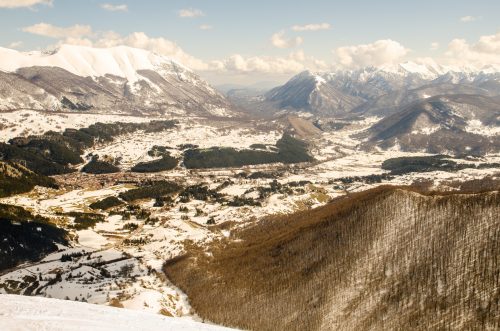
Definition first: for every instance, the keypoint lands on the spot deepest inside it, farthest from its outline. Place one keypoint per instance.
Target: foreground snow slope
(34, 313)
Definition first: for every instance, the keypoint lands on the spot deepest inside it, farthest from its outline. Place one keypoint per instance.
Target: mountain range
(419, 107)
(107, 80)
(457, 124)
(378, 91)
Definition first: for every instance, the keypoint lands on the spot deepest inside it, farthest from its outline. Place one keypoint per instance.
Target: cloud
(23, 3)
(83, 35)
(434, 46)
(190, 13)
(278, 40)
(15, 44)
(378, 53)
(293, 63)
(158, 45)
(232, 65)
(298, 55)
(261, 64)
(49, 30)
(485, 52)
(206, 27)
(111, 7)
(236, 63)
(468, 19)
(162, 46)
(311, 27)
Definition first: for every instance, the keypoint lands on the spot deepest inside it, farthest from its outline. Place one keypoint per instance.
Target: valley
(119, 260)
(352, 200)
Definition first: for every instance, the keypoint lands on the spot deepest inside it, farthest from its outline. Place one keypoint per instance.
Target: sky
(260, 42)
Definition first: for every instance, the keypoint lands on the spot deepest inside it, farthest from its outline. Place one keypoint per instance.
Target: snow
(133, 148)
(21, 313)
(319, 80)
(85, 61)
(427, 70)
(146, 288)
(91, 239)
(426, 130)
(46, 201)
(477, 127)
(29, 122)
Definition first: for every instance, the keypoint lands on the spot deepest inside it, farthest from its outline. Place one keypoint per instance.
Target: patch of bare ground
(303, 127)
(384, 259)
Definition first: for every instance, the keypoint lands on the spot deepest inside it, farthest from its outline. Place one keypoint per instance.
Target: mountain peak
(309, 75)
(122, 61)
(123, 79)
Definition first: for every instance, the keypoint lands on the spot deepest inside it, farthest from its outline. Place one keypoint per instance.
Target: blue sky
(232, 40)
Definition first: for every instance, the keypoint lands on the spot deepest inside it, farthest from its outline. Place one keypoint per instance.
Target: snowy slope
(310, 92)
(121, 61)
(341, 91)
(35, 313)
(107, 80)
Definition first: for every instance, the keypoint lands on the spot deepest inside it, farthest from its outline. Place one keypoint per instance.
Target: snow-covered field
(21, 313)
(30, 122)
(133, 148)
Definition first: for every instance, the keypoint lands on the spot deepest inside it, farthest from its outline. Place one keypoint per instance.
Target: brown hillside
(384, 259)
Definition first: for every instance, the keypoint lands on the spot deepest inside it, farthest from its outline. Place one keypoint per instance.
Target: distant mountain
(378, 90)
(107, 80)
(259, 86)
(312, 93)
(468, 124)
(392, 102)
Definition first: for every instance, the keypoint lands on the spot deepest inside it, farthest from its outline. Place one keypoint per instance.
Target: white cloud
(298, 55)
(236, 64)
(468, 19)
(190, 13)
(206, 27)
(84, 36)
(49, 30)
(278, 40)
(158, 45)
(377, 53)
(434, 46)
(486, 51)
(262, 64)
(293, 63)
(311, 27)
(23, 3)
(15, 44)
(111, 7)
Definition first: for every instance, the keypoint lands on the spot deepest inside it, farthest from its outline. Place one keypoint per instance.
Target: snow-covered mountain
(311, 92)
(33, 313)
(335, 93)
(455, 124)
(112, 80)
